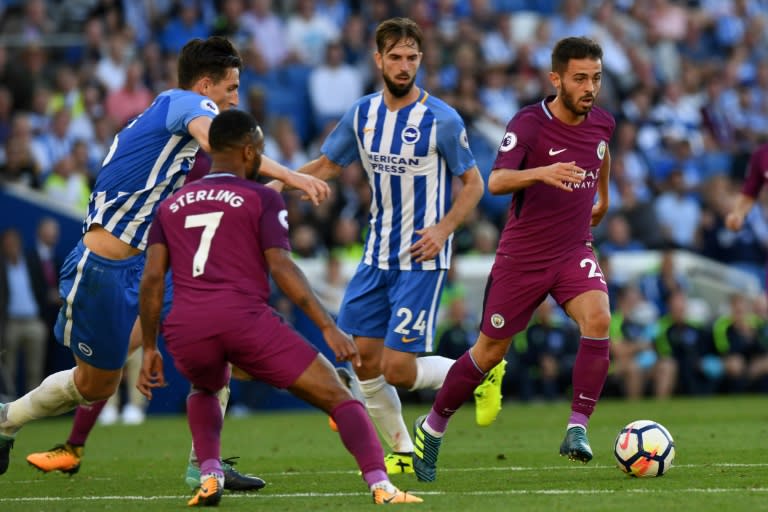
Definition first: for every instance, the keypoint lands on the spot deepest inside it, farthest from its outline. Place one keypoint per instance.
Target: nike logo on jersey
(553, 151)
(408, 340)
(366, 130)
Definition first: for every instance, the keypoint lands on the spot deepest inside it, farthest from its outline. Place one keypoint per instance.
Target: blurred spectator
(229, 22)
(267, 31)
(112, 67)
(619, 237)
(22, 296)
(659, 285)
(308, 32)
(43, 258)
(131, 99)
(636, 364)
(20, 166)
(284, 145)
(25, 73)
(51, 147)
(6, 111)
(330, 290)
(738, 340)
(33, 23)
(689, 344)
(455, 334)
(66, 93)
(68, 183)
(186, 25)
(678, 213)
(334, 86)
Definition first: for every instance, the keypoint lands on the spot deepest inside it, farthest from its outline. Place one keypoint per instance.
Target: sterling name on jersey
(544, 222)
(147, 161)
(410, 156)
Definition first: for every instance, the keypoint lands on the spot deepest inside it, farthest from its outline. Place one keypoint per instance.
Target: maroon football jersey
(545, 221)
(757, 174)
(216, 230)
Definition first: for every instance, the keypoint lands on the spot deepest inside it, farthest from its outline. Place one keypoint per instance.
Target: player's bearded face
(577, 100)
(398, 67)
(580, 84)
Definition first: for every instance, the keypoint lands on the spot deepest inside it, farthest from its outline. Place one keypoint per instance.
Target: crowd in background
(686, 80)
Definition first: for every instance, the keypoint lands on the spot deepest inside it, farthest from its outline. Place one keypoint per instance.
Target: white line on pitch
(507, 492)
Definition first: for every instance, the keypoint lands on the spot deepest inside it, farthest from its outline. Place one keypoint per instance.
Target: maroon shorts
(514, 291)
(260, 343)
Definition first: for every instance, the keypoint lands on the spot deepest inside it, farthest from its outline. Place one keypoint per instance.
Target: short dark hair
(211, 57)
(232, 129)
(574, 48)
(391, 31)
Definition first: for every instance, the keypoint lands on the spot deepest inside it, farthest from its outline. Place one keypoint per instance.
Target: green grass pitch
(721, 464)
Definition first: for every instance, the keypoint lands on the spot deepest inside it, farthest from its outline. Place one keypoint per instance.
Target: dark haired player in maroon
(222, 236)
(554, 158)
(757, 176)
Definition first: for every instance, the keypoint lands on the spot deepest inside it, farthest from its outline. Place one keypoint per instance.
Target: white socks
(56, 395)
(431, 372)
(386, 411)
(223, 396)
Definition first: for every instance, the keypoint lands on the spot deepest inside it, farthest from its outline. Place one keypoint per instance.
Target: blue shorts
(100, 306)
(399, 306)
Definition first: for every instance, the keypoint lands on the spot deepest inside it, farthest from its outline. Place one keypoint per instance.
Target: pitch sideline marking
(508, 492)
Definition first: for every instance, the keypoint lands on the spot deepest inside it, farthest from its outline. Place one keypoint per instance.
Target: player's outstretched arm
(559, 175)
(292, 281)
(433, 237)
(735, 218)
(320, 168)
(315, 188)
(151, 293)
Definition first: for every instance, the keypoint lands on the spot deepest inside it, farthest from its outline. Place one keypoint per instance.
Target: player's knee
(597, 324)
(95, 390)
(398, 376)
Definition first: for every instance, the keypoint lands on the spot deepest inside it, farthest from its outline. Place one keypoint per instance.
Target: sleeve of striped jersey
(185, 107)
(518, 141)
(156, 234)
(758, 166)
(453, 144)
(273, 222)
(340, 147)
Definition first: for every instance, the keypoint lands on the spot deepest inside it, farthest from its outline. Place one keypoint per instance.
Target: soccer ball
(644, 448)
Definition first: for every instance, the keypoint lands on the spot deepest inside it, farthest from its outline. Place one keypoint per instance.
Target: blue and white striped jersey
(410, 156)
(147, 161)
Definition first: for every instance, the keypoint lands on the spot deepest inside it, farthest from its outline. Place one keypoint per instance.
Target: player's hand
(342, 345)
(151, 374)
(430, 244)
(562, 175)
(315, 190)
(734, 221)
(599, 209)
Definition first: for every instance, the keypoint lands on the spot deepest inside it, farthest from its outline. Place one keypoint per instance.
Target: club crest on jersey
(209, 105)
(497, 320)
(463, 139)
(601, 149)
(508, 142)
(410, 134)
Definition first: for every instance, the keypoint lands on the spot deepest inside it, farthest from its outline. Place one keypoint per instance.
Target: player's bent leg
(319, 386)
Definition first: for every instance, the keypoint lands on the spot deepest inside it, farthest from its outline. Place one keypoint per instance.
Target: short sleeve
(273, 222)
(186, 106)
(340, 147)
(516, 143)
(453, 143)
